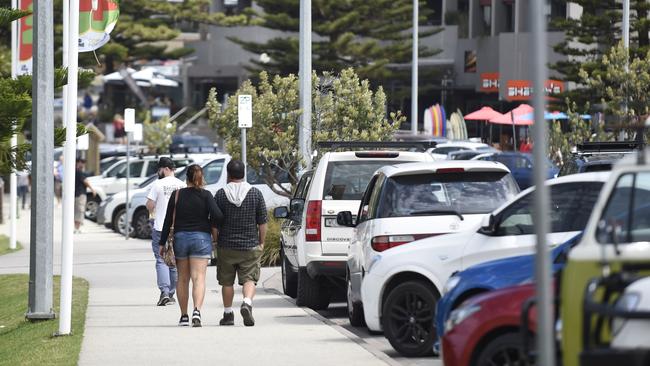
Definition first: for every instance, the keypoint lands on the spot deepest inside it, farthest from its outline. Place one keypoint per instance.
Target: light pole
(414, 69)
(304, 126)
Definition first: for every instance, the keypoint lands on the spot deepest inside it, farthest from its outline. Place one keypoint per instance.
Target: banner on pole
(25, 38)
(97, 19)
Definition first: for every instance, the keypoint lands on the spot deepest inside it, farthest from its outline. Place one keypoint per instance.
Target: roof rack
(419, 145)
(608, 146)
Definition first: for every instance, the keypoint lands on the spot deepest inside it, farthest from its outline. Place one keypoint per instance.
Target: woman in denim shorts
(196, 215)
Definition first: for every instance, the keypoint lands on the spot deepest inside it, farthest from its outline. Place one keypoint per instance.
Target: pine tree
(370, 36)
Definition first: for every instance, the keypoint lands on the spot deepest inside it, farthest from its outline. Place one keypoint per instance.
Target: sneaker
(171, 301)
(228, 319)
(163, 300)
(196, 318)
(185, 321)
(247, 313)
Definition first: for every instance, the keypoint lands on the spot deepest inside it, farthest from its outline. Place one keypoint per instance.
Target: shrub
(271, 255)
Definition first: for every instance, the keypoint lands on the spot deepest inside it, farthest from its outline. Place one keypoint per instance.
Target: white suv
(313, 246)
(409, 202)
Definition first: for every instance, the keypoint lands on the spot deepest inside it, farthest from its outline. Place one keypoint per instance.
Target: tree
(370, 36)
(591, 36)
(158, 134)
(345, 108)
(16, 108)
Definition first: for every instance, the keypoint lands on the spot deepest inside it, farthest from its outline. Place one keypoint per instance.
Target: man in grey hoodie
(240, 241)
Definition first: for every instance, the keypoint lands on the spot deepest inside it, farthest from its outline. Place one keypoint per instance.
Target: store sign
(489, 82)
(523, 89)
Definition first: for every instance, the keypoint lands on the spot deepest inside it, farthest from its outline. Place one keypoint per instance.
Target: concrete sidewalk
(124, 327)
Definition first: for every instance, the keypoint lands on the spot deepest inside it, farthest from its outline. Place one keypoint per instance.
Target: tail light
(383, 242)
(313, 221)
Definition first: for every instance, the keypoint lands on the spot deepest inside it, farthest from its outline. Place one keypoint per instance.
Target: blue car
(493, 275)
(521, 166)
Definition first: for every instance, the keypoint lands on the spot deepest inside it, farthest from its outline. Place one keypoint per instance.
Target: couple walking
(235, 218)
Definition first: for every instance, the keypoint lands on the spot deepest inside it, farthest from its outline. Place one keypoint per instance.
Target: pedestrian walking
(80, 186)
(240, 241)
(157, 200)
(193, 214)
(22, 185)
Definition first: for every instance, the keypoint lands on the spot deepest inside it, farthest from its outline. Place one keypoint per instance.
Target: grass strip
(4, 245)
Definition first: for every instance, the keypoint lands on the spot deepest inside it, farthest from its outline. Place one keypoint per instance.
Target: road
(124, 327)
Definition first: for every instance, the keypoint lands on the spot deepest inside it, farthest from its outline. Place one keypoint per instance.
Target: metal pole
(13, 192)
(304, 128)
(69, 171)
(243, 151)
(543, 276)
(128, 174)
(414, 69)
(41, 238)
(626, 24)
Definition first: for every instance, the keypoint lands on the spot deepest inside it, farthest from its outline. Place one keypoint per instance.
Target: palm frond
(8, 15)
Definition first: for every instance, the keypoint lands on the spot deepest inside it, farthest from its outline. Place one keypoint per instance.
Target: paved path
(123, 327)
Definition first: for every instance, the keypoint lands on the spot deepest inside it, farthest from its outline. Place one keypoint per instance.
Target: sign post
(129, 126)
(245, 119)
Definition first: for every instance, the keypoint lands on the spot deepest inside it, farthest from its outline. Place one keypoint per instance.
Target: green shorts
(243, 263)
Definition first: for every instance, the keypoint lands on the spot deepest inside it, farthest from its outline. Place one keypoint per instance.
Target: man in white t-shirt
(157, 200)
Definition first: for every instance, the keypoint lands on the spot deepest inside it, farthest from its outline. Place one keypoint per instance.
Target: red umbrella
(483, 114)
(520, 116)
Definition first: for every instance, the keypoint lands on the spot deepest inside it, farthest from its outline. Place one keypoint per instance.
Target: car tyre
(311, 292)
(502, 350)
(92, 205)
(407, 318)
(120, 221)
(289, 277)
(355, 309)
(141, 224)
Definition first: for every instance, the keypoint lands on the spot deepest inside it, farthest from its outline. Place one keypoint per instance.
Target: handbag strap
(178, 193)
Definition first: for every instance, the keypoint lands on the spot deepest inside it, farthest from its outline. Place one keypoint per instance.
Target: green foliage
(158, 134)
(4, 246)
(271, 254)
(366, 35)
(8, 15)
(345, 108)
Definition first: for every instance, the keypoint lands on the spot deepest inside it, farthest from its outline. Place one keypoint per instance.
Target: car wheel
(502, 350)
(141, 225)
(355, 309)
(407, 318)
(92, 204)
(311, 292)
(120, 222)
(289, 277)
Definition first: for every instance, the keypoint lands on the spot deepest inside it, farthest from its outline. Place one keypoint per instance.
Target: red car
(484, 330)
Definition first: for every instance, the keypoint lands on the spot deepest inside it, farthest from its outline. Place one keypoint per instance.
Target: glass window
(521, 162)
(152, 168)
(435, 6)
(506, 160)
(628, 209)
(365, 200)
(347, 180)
(303, 185)
(113, 172)
(212, 172)
(465, 193)
(447, 149)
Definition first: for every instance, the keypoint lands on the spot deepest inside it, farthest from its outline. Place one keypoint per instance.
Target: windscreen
(463, 193)
(347, 180)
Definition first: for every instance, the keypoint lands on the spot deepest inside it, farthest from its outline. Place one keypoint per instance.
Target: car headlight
(452, 282)
(627, 302)
(374, 261)
(459, 315)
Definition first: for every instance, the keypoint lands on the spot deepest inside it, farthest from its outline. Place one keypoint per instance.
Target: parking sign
(245, 111)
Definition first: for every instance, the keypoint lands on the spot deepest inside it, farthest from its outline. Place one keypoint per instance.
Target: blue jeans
(165, 276)
(192, 244)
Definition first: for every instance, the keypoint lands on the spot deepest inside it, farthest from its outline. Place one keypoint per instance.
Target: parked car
(408, 202)
(418, 271)
(441, 151)
(111, 210)
(485, 330)
(493, 275)
(467, 154)
(313, 246)
(191, 143)
(596, 156)
(520, 165)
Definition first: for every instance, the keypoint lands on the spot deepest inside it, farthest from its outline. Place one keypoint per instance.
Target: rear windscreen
(347, 180)
(465, 193)
(598, 167)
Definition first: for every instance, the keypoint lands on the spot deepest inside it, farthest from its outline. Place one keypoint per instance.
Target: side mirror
(281, 212)
(488, 224)
(344, 218)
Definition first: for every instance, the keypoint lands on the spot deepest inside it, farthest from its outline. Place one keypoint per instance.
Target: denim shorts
(192, 244)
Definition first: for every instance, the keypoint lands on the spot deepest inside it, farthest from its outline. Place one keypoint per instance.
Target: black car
(596, 157)
(191, 144)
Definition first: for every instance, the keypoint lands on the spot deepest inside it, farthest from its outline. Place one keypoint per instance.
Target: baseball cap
(165, 162)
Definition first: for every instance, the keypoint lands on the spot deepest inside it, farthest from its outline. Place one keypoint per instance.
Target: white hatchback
(408, 202)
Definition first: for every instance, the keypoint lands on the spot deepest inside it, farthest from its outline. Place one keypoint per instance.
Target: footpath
(124, 327)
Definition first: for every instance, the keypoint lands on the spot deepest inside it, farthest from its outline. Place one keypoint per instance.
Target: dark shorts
(243, 263)
(192, 244)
